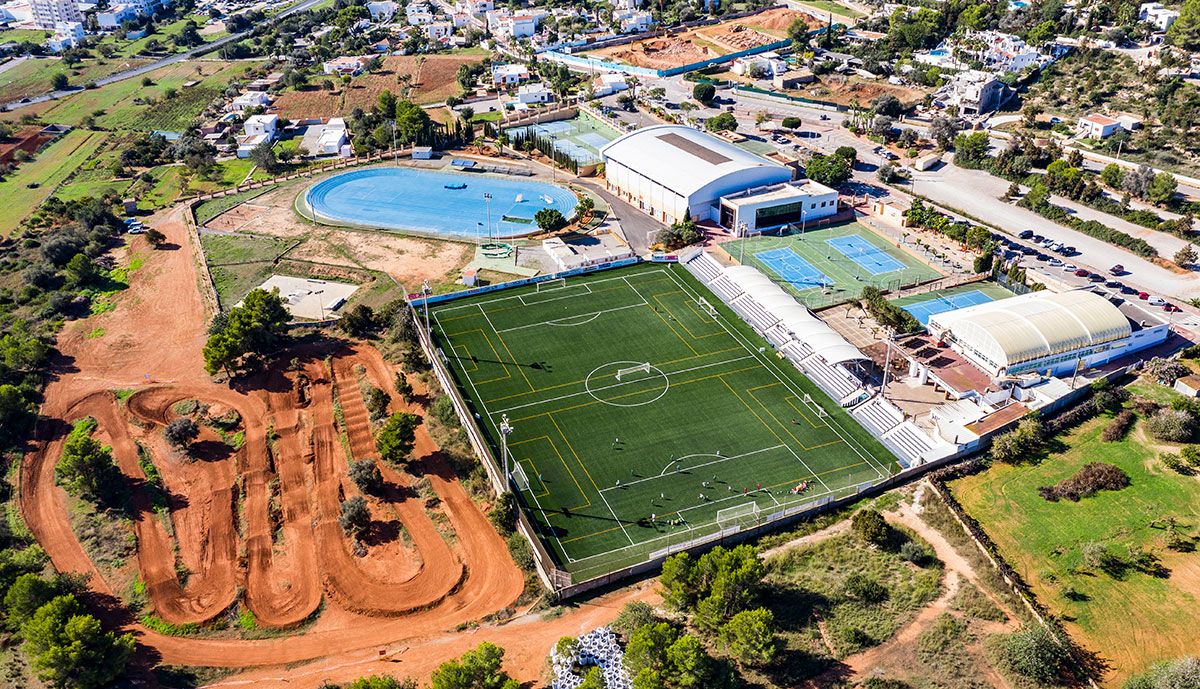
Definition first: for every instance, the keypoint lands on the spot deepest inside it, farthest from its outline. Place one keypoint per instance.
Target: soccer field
(617, 459)
(831, 265)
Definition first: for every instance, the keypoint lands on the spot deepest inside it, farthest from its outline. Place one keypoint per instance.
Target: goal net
(551, 285)
(814, 406)
(626, 372)
(739, 515)
(519, 477)
(707, 307)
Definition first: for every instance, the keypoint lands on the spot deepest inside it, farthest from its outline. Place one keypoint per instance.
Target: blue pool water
(397, 198)
(939, 53)
(874, 260)
(922, 310)
(792, 268)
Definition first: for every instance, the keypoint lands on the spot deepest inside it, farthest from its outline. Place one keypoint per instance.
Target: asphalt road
(157, 64)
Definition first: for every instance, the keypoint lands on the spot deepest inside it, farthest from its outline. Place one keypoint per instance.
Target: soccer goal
(742, 516)
(625, 372)
(707, 307)
(551, 285)
(813, 405)
(519, 477)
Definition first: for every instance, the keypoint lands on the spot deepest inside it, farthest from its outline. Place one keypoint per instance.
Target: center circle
(604, 378)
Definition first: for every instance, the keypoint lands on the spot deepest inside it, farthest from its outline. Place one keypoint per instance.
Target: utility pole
(742, 229)
(487, 200)
(506, 430)
(425, 292)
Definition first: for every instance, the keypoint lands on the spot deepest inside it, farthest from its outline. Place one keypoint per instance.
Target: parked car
(1042, 257)
(1170, 307)
(1115, 284)
(1068, 268)
(1025, 234)
(1057, 263)
(1156, 301)
(1096, 277)
(1117, 269)
(1081, 273)
(1038, 239)
(1126, 289)
(1143, 295)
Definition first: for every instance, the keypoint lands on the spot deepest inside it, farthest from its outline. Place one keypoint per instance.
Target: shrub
(355, 517)
(1119, 426)
(915, 553)
(504, 513)
(1032, 653)
(865, 589)
(791, 123)
(442, 409)
(366, 475)
(181, 432)
(1171, 425)
(1166, 370)
(377, 401)
(870, 526)
(635, 615)
(1176, 674)
(1089, 480)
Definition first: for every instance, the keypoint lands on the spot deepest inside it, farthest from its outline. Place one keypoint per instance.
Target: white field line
(472, 304)
(521, 297)
(663, 474)
(555, 322)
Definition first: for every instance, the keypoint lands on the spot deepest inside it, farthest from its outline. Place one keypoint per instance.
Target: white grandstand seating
(910, 441)
(834, 380)
(704, 267)
(753, 313)
(878, 415)
(725, 289)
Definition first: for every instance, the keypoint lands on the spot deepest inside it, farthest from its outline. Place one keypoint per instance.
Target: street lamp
(506, 430)
(321, 303)
(487, 200)
(742, 230)
(425, 292)
(395, 156)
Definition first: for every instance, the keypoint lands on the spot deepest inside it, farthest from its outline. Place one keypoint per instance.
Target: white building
(246, 101)
(769, 65)
(973, 92)
(474, 7)
(1097, 126)
(507, 75)
(633, 20)
(530, 94)
(437, 31)
(628, 4)
(504, 23)
(66, 35)
(116, 15)
(1047, 333)
(265, 125)
(418, 13)
(48, 14)
(382, 11)
(345, 65)
(998, 52)
(1155, 14)
(772, 206)
(16, 11)
(333, 138)
(669, 171)
(608, 84)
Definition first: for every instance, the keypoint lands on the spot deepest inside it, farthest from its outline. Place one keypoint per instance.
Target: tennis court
(791, 268)
(922, 306)
(624, 445)
(837, 276)
(580, 137)
(873, 259)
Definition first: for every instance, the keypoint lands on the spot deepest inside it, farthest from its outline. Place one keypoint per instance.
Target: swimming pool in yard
(445, 204)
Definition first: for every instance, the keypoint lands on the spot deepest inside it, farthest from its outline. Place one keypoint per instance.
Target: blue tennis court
(793, 269)
(922, 310)
(873, 259)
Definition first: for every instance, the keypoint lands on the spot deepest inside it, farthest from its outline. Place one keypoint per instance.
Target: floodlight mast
(425, 292)
(506, 430)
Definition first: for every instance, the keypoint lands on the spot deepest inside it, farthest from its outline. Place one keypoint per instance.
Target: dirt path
(289, 559)
(814, 537)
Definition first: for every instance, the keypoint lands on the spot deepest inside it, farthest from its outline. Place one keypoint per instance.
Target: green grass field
(1133, 620)
(620, 468)
(848, 277)
(25, 189)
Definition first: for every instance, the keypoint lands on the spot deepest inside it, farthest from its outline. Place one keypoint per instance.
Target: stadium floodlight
(506, 430)
(425, 292)
(633, 369)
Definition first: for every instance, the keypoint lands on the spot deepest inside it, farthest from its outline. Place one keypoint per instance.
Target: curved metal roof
(1034, 325)
(683, 159)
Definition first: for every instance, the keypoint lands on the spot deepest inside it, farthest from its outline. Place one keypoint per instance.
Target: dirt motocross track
(281, 552)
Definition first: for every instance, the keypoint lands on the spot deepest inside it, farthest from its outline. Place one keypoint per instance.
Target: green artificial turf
(718, 415)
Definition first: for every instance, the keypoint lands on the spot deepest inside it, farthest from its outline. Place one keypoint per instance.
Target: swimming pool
(445, 204)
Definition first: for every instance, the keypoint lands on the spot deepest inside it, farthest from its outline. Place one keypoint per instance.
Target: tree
(749, 636)
(887, 104)
(635, 615)
(799, 33)
(1137, 181)
(850, 153)
(791, 122)
(397, 437)
(869, 525)
(354, 516)
(1112, 175)
(403, 387)
(942, 130)
(382, 682)
(359, 321)
(263, 155)
(971, 150)
(366, 475)
(479, 668)
(155, 238)
(1034, 654)
(549, 219)
(87, 467)
(81, 270)
(1185, 31)
(27, 593)
(181, 432)
(69, 648)
(1161, 188)
(257, 326)
(59, 81)
(1177, 674)
(724, 122)
(1186, 255)
(704, 92)
(1019, 444)
(386, 105)
(377, 401)
(830, 170)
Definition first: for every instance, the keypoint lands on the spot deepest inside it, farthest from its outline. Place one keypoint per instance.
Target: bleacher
(725, 289)
(909, 441)
(878, 415)
(835, 380)
(754, 313)
(704, 267)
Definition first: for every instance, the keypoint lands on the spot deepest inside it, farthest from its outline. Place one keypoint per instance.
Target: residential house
(116, 15)
(1097, 126)
(763, 65)
(332, 138)
(382, 11)
(510, 74)
(474, 7)
(504, 23)
(249, 100)
(1188, 386)
(633, 20)
(345, 65)
(608, 84)
(418, 13)
(792, 80)
(973, 92)
(256, 131)
(66, 35)
(628, 4)
(438, 31)
(530, 94)
(1155, 14)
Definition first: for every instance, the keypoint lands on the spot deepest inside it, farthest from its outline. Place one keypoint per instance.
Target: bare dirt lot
(855, 89)
(409, 260)
(695, 45)
(424, 79)
(777, 21)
